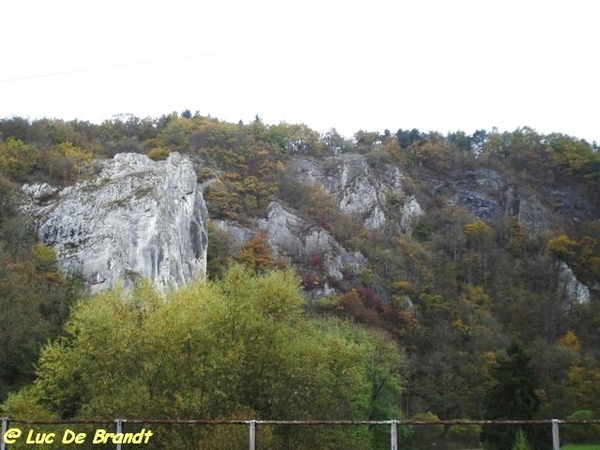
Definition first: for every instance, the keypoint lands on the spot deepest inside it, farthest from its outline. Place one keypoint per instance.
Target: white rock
(139, 218)
(293, 238)
(573, 290)
(361, 188)
(39, 191)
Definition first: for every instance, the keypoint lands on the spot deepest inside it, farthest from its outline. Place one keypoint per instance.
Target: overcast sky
(442, 65)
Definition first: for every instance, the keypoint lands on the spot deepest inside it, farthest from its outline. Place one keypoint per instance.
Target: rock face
(295, 239)
(138, 218)
(489, 195)
(480, 192)
(376, 194)
(571, 288)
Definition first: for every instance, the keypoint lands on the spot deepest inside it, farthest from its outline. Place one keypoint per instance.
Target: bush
(520, 441)
(239, 347)
(581, 433)
(425, 435)
(464, 436)
(159, 153)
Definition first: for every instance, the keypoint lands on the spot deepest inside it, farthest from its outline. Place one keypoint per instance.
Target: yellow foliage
(404, 286)
(159, 153)
(43, 257)
(16, 158)
(461, 326)
(561, 246)
(569, 340)
(478, 229)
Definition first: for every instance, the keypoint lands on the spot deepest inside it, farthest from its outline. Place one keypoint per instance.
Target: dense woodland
(443, 321)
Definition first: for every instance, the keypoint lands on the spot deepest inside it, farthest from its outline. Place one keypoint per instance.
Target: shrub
(159, 153)
(581, 433)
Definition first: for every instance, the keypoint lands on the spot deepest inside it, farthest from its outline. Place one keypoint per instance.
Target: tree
(512, 395)
(461, 141)
(64, 162)
(335, 143)
(16, 159)
(406, 138)
(257, 254)
(211, 350)
(34, 303)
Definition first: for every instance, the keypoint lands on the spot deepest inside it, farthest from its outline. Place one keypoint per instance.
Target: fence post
(252, 434)
(394, 434)
(4, 428)
(119, 430)
(555, 435)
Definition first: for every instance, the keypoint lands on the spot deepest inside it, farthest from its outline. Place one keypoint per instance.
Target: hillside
(454, 245)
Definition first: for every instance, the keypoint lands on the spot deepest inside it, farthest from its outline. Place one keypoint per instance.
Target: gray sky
(442, 65)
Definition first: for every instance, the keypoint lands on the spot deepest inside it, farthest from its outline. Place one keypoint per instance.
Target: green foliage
(464, 436)
(581, 383)
(25, 403)
(64, 162)
(298, 139)
(589, 433)
(334, 143)
(221, 251)
(34, 300)
(520, 442)
(16, 159)
(580, 447)
(513, 395)
(210, 349)
(426, 435)
(159, 153)
(16, 238)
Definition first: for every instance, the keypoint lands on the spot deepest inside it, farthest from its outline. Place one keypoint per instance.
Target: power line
(116, 66)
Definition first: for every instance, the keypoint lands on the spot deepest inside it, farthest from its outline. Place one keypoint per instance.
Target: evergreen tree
(511, 396)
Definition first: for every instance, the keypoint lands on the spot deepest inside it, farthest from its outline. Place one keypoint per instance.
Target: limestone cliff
(573, 291)
(376, 194)
(295, 240)
(137, 218)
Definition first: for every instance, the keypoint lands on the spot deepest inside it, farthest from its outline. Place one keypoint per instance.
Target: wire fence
(254, 434)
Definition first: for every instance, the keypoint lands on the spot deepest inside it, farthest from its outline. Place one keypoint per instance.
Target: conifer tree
(511, 396)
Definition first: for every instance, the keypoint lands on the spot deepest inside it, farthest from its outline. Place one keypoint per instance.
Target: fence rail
(252, 425)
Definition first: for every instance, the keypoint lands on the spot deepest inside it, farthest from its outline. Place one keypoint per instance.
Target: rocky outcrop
(481, 192)
(138, 218)
(375, 193)
(532, 214)
(489, 195)
(295, 239)
(573, 291)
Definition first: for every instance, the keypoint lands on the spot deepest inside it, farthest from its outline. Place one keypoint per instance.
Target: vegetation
(580, 434)
(34, 298)
(453, 294)
(581, 447)
(512, 396)
(212, 350)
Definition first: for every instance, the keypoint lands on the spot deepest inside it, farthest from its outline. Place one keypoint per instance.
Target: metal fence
(11, 428)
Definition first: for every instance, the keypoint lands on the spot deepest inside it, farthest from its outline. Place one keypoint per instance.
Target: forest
(444, 319)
